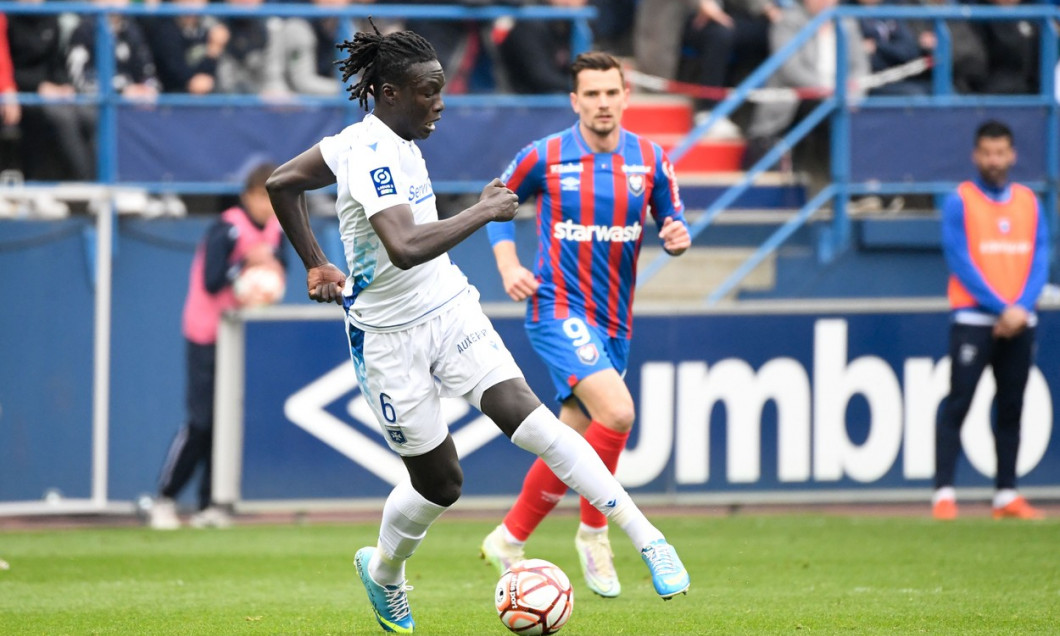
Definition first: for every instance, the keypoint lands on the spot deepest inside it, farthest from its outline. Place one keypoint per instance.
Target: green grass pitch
(751, 574)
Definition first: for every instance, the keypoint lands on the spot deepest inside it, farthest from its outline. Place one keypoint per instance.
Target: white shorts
(405, 374)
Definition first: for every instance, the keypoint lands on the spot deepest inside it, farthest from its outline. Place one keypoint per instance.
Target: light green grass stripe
(750, 575)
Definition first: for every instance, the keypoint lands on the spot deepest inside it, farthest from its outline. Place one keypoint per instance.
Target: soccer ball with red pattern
(534, 597)
(260, 285)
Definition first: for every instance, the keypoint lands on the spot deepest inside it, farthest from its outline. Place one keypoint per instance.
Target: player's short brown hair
(595, 61)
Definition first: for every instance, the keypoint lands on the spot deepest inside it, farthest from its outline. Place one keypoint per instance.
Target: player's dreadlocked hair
(381, 58)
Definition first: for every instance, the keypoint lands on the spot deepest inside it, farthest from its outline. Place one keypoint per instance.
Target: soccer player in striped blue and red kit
(595, 184)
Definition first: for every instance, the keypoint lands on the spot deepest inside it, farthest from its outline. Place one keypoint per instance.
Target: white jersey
(376, 170)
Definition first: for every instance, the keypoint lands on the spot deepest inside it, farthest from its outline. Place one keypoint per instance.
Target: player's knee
(445, 488)
(508, 403)
(448, 492)
(618, 416)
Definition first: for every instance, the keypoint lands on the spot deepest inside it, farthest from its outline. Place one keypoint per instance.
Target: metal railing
(107, 100)
(839, 107)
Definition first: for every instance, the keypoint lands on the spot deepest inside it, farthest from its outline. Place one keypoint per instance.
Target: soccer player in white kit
(416, 330)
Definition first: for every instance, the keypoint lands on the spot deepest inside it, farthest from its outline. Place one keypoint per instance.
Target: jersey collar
(379, 124)
(995, 193)
(583, 145)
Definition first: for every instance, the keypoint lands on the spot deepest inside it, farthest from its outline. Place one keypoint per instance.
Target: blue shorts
(572, 349)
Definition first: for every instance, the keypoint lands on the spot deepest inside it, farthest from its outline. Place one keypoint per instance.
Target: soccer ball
(534, 597)
(258, 286)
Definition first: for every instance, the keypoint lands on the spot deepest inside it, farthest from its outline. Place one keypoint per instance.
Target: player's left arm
(1039, 272)
(409, 244)
(667, 208)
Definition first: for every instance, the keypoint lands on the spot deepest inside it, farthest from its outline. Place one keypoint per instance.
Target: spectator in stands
(720, 42)
(59, 150)
(10, 111)
(244, 236)
(463, 46)
(134, 68)
(308, 54)
(995, 237)
(967, 50)
(536, 54)
(613, 26)
(251, 62)
(813, 66)
(186, 49)
(1011, 54)
(890, 43)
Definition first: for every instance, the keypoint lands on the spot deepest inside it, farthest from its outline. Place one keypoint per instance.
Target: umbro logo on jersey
(570, 184)
(383, 182)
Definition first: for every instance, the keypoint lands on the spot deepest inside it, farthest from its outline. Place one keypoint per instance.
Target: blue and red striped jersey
(591, 212)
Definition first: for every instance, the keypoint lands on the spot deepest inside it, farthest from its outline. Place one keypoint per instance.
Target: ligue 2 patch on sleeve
(383, 182)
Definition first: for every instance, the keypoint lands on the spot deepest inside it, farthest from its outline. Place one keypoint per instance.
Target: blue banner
(781, 403)
(217, 143)
(877, 153)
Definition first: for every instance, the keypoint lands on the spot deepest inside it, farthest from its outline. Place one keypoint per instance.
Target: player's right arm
(523, 176)
(287, 187)
(519, 282)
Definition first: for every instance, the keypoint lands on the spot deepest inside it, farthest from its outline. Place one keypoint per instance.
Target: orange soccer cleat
(1018, 508)
(944, 510)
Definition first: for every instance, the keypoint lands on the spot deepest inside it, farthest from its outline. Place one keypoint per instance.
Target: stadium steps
(666, 120)
(704, 173)
(686, 281)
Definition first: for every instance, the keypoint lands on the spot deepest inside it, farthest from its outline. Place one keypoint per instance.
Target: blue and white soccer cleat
(389, 602)
(668, 574)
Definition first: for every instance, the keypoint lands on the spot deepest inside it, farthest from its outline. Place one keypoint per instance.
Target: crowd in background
(717, 43)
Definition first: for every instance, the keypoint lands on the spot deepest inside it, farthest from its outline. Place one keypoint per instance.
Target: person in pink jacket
(243, 237)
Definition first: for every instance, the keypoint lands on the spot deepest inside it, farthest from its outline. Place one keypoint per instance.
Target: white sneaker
(721, 130)
(598, 566)
(211, 517)
(163, 514)
(497, 550)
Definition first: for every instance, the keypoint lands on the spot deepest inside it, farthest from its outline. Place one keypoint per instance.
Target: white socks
(584, 529)
(575, 462)
(943, 494)
(510, 538)
(1004, 497)
(406, 517)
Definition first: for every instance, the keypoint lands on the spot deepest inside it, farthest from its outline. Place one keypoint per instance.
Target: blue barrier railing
(108, 101)
(837, 237)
